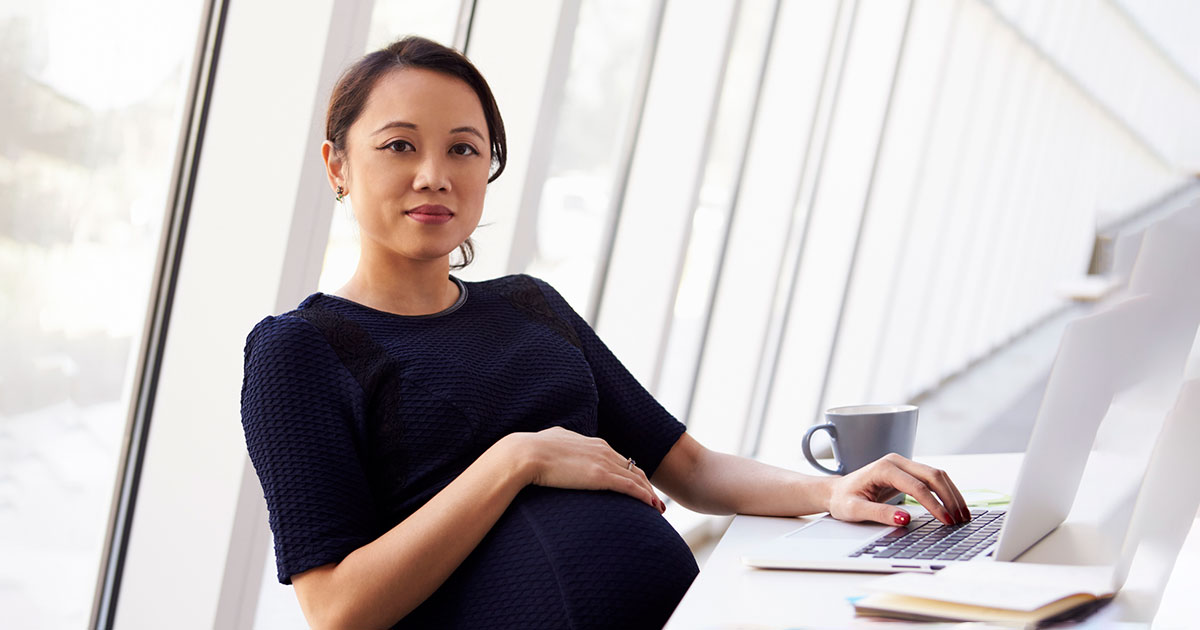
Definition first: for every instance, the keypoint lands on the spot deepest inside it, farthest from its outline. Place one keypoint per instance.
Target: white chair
(1164, 511)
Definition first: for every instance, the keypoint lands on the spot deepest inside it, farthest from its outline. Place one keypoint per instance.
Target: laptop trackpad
(831, 529)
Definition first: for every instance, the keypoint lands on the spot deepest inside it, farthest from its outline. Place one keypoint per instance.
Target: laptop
(1087, 372)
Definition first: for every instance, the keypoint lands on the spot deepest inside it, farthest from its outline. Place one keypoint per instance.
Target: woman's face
(416, 164)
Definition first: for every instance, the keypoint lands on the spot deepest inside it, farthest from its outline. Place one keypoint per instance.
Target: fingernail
(900, 518)
(662, 507)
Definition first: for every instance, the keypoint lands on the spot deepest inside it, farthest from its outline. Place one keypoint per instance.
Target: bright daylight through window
(89, 123)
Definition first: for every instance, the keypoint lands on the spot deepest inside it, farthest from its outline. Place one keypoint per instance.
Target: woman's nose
(431, 174)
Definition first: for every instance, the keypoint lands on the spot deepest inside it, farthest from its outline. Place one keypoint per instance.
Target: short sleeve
(630, 419)
(300, 410)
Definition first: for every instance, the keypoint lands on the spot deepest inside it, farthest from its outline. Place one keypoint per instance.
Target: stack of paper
(998, 592)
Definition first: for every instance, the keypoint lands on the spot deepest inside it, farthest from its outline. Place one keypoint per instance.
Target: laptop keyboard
(926, 538)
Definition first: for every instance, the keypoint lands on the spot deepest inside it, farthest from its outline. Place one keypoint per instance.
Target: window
(92, 110)
(568, 243)
(845, 166)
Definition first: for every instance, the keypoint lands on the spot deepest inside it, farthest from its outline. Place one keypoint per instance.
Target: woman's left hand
(858, 495)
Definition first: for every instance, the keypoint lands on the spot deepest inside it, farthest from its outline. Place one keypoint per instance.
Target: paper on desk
(863, 623)
(1009, 585)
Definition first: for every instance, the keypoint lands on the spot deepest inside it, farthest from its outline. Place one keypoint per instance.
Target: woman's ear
(335, 166)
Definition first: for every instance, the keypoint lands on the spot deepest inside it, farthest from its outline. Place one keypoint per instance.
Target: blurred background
(764, 207)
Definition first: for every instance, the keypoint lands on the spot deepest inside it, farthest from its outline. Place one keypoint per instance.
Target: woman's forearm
(728, 484)
(381, 582)
(717, 483)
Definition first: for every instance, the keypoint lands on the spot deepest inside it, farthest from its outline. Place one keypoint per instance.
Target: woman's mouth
(430, 214)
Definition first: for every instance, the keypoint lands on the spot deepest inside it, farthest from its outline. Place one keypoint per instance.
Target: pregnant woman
(445, 454)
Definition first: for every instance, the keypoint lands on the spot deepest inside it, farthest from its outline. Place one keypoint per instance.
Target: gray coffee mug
(862, 434)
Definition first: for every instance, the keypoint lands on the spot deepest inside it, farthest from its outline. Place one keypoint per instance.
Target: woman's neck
(403, 286)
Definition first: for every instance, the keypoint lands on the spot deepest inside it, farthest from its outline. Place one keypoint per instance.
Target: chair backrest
(1167, 272)
(1165, 509)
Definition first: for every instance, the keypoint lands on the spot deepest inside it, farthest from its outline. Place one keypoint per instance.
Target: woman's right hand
(561, 458)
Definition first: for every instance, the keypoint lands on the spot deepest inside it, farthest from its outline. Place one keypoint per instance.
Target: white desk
(728, 594)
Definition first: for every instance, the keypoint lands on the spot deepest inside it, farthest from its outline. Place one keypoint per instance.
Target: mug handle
(808, 451)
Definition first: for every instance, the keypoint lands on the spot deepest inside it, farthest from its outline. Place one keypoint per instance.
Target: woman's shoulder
(511, 280)
(521, 286)
(538, 302)
(292, 330)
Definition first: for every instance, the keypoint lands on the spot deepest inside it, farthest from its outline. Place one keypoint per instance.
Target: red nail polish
(901, 518)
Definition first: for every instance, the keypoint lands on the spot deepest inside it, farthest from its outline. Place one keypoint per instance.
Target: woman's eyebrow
(394, 124)
(469, 130)
(407, 125)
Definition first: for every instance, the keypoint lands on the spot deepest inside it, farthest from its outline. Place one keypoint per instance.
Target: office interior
(765, 208)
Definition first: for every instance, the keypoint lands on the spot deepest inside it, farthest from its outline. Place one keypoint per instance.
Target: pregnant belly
(567, 558)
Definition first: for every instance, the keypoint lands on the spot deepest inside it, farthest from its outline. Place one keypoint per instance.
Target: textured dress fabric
(355, 417)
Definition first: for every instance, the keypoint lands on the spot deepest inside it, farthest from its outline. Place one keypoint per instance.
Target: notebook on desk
(1083, 380)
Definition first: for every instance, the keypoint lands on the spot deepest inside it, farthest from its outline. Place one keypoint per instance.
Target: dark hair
(350, 94)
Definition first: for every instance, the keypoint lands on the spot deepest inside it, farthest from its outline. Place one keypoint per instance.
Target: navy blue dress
(355, 417)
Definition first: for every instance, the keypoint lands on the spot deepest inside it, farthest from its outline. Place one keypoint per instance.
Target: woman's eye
(399, 146)
(463, 149)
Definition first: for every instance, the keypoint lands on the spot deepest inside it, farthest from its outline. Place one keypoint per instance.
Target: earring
(341, 193)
